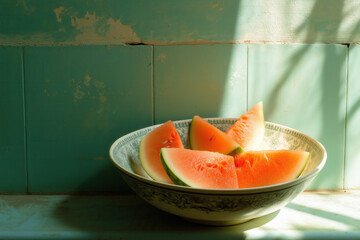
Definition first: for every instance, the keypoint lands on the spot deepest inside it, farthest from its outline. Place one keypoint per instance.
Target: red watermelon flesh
(201, 169)
(268, 167)
(248, 130)
(206, 137)
(164, 136)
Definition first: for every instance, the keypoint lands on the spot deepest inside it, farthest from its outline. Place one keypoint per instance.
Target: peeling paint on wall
(215, 5)
(87, 80)
(162, 57)
(78, 93)
(187, 22)
(58, 11)
(90, 88)
(95, 29)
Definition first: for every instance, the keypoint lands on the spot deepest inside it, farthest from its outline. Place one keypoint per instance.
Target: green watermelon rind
(170, 173)
(236, 151)
(177, 180)
(142, 162)
(145, 158)
(304, 165)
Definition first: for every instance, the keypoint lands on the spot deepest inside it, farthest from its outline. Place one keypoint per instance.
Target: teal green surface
(304, 87)
(12, 138)
(79, 100)
(352, 160)
(204, 80)
(101, 217)
(315, 215)
(38, 22)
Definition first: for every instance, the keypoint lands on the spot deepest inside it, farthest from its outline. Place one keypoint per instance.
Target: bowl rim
(207, 191)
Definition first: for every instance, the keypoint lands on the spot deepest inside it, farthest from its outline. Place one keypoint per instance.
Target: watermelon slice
(248, 130)
(204, 136)
(163, 136)
(202, 169)
(261, 168)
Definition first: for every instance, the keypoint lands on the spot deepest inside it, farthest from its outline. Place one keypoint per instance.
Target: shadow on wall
(309, 93)
(332, 104)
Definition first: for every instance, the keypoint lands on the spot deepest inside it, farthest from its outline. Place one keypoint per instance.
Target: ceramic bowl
(218, 206)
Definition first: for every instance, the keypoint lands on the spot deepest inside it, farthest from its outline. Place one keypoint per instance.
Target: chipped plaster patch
(162, 57)
(234, 79)
(102, 97)
(78, 94)
(58, 11)
(215, 5)
(73, 23)
(87, 80)
(97, 29)
(91, 89)
(99, 84)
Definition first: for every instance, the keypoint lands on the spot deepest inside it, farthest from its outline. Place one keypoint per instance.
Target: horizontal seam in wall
(150, 43)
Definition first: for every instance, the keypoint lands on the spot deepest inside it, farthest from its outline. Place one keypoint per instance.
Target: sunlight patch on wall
(234, 97)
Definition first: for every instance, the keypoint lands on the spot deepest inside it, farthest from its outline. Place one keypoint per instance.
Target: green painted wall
(71, 83)
(79, 100)
(43, 22)
(352, 154)
(13, 177)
